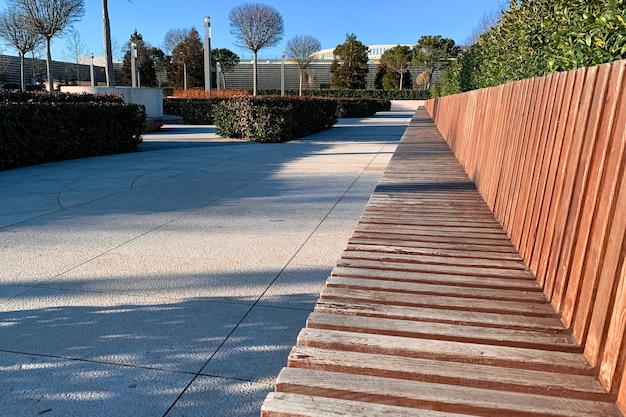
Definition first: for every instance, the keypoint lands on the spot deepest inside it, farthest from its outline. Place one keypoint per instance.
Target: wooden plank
(281, 404)
(444, 350)
(476, 271)
(530, 339)
(599, 208)
(453, 373)
(441, 397)
(440, 315)
(435, 290)
(376, 246)
(566, 82)
(441, 301)
(425, 277)
(578, 228)
(408, 242)
(464, 259)
(567, 226)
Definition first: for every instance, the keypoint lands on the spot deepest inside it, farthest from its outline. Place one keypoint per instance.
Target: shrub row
(7, 96)
(193, 111)
(274, 118)
(200, 111)
(361, 107)
(360, 93)
(34, 132)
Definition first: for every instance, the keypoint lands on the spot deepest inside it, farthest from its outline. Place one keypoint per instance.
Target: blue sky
(373, 22)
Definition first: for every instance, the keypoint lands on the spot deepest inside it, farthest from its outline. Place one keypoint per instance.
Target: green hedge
(200, 111)
(7, 96)
(35, 133)
(193, 111)
(359, 93)
(361, 107)
(275, 118)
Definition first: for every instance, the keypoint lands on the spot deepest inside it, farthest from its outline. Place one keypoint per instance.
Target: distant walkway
(174, 281)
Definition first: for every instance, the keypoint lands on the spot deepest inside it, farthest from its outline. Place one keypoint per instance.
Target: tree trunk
(49, 65)
(254, 78)
(301, 78)
(401, 79)
(108, 53)
(22, 74)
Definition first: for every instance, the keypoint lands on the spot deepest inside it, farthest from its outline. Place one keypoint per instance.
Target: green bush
(274, 118)
(34, 132)
(7, 96)
(362, 93)
(361, 107)
(193, 111)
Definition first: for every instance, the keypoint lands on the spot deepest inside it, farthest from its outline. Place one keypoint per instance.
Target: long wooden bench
(432, 312)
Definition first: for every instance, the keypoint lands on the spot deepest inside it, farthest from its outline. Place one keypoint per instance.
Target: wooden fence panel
(549, 157)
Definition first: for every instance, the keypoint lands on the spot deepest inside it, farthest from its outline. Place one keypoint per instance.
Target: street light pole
(218, 70)
(91, 72)
(207, 53)
(282, 75)
(133, 63)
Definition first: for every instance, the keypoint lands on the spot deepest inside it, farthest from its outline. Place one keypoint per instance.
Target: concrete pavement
(174, 281)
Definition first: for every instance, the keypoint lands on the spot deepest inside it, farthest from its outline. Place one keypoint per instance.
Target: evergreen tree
(433, 53)
(349, 68)
(396, 62)
(145, 63)
(228, 61)
(187, 57)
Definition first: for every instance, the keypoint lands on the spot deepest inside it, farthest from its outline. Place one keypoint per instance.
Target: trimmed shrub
(193, 111)
(274, 118)
(200, 111)
(7, 96)
(203, 94)
(39, 132)
(359, 93)
(361, 107)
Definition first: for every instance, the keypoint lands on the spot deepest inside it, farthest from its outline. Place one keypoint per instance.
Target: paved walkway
(174, 281)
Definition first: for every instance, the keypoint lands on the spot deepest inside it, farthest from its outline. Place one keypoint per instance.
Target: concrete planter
(150, 98)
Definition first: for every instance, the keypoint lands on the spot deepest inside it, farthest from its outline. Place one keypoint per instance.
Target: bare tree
(49, 17)
(487, 21)
(256, 26)
(173, 38)
(301, 49)
(75, 48)
(13, 30)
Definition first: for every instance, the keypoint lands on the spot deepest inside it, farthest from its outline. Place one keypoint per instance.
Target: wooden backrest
(548, 155)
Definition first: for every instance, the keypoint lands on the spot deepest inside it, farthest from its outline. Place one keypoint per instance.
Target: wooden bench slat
(441, 397)
(455, 373)
(436, 315)
(442, 301)
(409, 243)
(430, 250)
(510, 357)
(463, 259)
(526, 295)
(282, 404)
(434, 269)
(531, 339)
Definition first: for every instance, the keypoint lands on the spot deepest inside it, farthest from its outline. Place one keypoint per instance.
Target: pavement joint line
(287, 264)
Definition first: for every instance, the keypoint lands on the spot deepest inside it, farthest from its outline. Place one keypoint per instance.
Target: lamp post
(282, 75)
(91, 72)
(133, 63)
(207, 53)
(218, 68)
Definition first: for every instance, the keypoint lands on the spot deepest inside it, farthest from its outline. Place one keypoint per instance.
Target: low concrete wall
(151, 98)
(400, 105)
